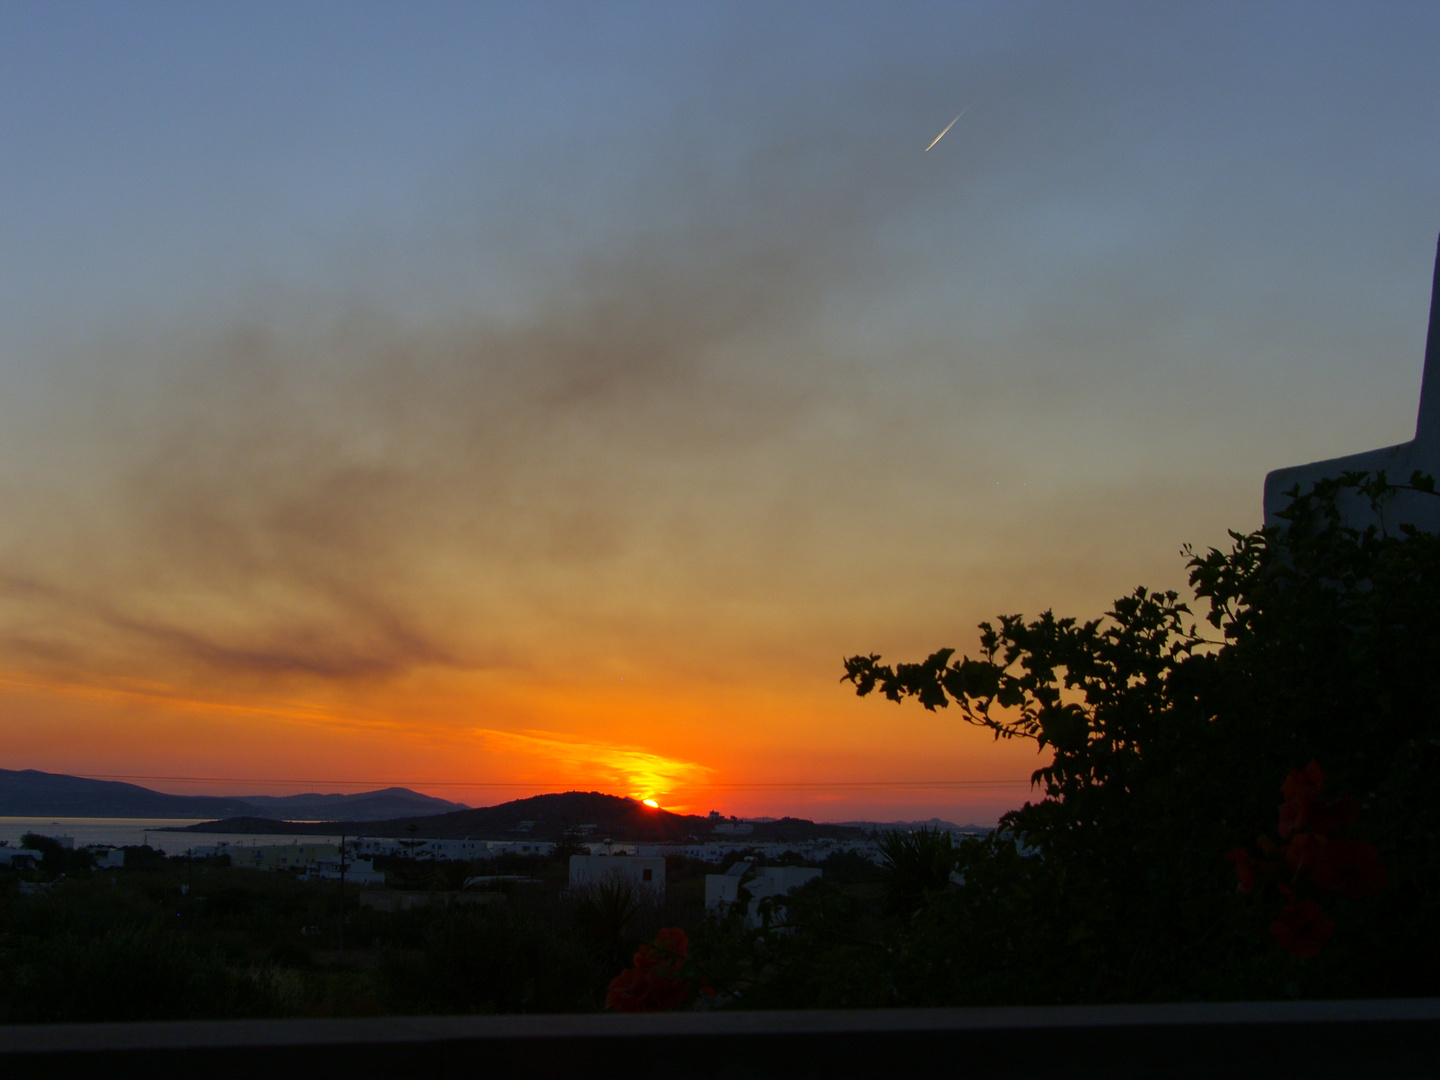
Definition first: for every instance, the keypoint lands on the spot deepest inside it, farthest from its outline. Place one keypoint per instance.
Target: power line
(726, 786)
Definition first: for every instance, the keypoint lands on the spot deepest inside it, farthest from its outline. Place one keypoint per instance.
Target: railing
(1385, 1040)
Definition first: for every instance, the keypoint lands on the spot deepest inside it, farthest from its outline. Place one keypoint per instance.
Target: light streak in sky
(948, 126)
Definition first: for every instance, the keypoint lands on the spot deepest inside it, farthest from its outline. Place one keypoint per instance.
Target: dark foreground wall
(1361, 1039)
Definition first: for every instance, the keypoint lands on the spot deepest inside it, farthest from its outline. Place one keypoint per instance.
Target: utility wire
(779, 786)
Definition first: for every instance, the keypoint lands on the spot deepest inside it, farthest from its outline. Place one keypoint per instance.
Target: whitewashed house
(357, 872)
(1420, 454)
(722, 890)
(647, 875)
(295, 856)
(108, 858)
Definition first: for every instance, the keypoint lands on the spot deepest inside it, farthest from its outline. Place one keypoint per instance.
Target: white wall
(723, 889)
(1420, 454)
(643, 873)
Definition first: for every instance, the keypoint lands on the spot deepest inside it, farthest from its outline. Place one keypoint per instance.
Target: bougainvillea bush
(1174, 748)
(1310, 857)
(661, 977)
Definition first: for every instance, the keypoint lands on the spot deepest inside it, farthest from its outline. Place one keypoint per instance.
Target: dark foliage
(1167, 749)
(917, 865)
(56, 858)
(500, 959)
(1167, 737)
(601, 915)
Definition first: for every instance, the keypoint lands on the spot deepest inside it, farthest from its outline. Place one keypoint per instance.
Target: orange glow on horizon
(757, 747)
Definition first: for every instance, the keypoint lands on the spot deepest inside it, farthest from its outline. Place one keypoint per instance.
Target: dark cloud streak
(291, 498)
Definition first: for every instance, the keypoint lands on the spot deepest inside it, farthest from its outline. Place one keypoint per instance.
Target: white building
(295, 856)
(542, 848)
(724, 889)
(358, 872)
(647, 875)
(453, 849)
(20, 857)
(1420, 454)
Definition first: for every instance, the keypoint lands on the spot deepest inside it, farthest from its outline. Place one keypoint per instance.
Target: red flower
(654, 983)
(1302, 929)
(669, 950)
(1308, 782)
(1301, 788)
(1304, 808)
(1292, 812)
(1333, 863)
(1247, 869)
(622, 993)
(1351, 868)
(1303, 850)
(673, 939)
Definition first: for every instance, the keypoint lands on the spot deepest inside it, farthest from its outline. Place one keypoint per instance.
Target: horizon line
(736, 785)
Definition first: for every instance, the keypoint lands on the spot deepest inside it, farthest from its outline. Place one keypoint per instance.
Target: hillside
(546, 817)
(31, 793)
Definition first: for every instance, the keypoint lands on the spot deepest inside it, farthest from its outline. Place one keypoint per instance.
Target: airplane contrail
(948, 126)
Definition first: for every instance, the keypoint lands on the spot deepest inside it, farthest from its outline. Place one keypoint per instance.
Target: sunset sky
(497, 399)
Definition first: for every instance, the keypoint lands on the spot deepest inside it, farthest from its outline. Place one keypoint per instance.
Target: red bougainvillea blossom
(1305, 808)
(1314, 853)
(671, 942)
(1247, 869)
(655, 982)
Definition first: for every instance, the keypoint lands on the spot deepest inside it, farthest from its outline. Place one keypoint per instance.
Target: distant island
(587, 815)
(30, 793)
(393, 812)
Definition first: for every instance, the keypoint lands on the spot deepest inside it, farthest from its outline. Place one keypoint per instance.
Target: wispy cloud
(349, 494)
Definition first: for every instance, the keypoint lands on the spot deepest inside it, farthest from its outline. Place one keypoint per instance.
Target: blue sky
(360, 353)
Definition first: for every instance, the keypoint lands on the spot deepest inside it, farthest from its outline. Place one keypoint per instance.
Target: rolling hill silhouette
(31, 793)
(546, 817)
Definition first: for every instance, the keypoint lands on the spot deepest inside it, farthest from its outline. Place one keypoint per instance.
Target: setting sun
(522, 509)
